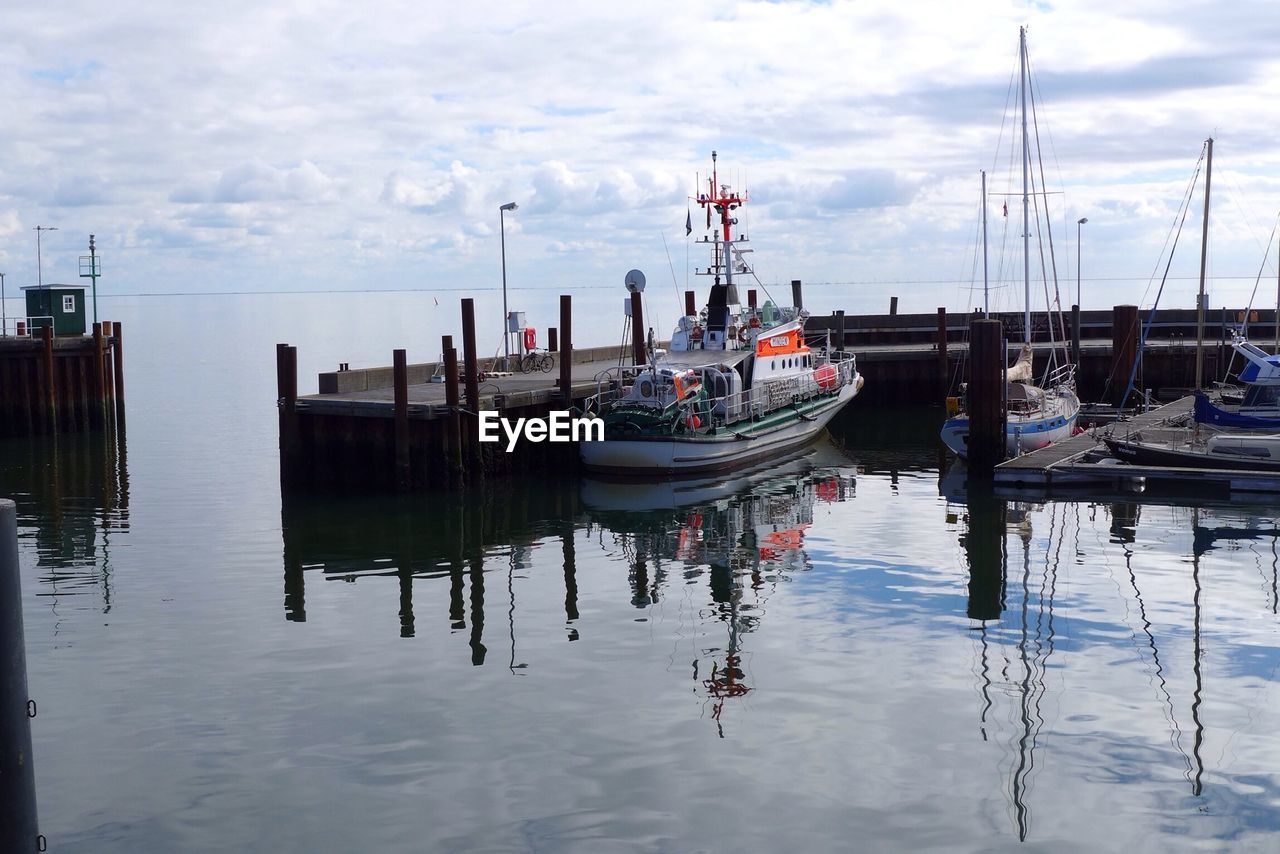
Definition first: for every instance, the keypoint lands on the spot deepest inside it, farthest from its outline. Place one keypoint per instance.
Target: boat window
(646, 388)
(773, 363)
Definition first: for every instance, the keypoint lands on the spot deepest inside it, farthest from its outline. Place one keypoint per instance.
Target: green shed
(64, 303)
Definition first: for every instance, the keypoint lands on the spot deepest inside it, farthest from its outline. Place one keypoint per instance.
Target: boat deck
(1063, 465)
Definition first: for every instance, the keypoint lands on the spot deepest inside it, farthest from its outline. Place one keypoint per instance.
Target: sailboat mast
(986, 305)
(1204, 251)
(1026, 204)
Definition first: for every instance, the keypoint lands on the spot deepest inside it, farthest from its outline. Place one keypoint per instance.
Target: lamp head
(509, 206)
(1082, 220)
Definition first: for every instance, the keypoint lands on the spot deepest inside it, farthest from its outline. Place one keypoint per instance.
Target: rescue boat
(738, 383)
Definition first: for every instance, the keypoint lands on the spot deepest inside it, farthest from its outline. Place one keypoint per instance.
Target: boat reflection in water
(1015, 608)
(743, 534)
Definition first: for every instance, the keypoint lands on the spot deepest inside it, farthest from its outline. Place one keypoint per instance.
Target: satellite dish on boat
(635, 282)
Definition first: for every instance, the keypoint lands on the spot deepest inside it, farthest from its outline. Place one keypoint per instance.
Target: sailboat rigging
(1036, 416)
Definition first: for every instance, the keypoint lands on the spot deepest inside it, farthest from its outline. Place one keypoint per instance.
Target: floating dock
(1068, 465)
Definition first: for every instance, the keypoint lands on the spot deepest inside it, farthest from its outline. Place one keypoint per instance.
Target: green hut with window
(61, 304)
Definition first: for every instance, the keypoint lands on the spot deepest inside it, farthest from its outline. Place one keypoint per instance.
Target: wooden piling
(566, 348)
(50, 384)
(751, 299)
(638, 356)
(400, 384)
(553, 340)
(691, 306)
(944, 364)
(98, 404)
(1124, 350)
(797, 296)
(470, 367)
(893, 305)
(986, 405)
(117, 368)
(287, 391)
(839, 336)
(453, 425)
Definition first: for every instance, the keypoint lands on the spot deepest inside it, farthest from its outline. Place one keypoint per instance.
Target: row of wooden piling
(408, 453)
(53, 385)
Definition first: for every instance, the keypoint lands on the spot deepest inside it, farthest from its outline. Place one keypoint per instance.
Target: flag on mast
(688, 222)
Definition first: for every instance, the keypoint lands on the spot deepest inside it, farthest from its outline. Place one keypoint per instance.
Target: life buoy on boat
(826, 377)
(754, 322)
(693, 422)
(743, 334)
(695, 334)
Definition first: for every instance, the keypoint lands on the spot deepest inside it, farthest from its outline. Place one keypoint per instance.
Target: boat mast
(1204, 250)
(986, 305)
(1026, 204)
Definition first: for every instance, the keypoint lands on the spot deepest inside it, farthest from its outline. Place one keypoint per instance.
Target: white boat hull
(1022, 434)
(648, 456)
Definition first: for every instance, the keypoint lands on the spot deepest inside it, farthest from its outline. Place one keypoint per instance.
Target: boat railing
(615, 383)
(1063, 375)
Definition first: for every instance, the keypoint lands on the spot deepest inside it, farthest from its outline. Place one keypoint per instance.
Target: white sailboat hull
(1023, 433)
(648, 456)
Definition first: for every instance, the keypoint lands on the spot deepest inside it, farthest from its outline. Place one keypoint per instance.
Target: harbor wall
(70, 384)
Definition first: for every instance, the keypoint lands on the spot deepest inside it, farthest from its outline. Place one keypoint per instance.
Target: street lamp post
(506, 333)
(1081, 221)
(4, 316)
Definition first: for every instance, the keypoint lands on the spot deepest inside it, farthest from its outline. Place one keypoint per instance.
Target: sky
(323, 145)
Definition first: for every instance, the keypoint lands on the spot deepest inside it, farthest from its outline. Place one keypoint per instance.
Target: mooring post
(470, 367)
(839, 315)
(797, 297)
(986, 397)
(50, 384)
(1124, 351)
(19, 828)
(117, 366)
(553, 340)
(566, 348)
(638, 356)
(99, 405)
(400, 382)
(1075, 340)
(287, 391)
(691, 307)
(751, 299)
(944, 364)
(893, 305)
(453, 429)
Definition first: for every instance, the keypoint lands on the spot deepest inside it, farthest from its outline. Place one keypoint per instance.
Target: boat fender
(953, 406)
(692, 421)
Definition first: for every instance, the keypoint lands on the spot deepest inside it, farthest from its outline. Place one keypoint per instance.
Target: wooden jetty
(1067, 465)
(59, 384)
(399, 427)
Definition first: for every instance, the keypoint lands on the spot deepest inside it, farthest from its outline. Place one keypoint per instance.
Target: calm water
(838, 652)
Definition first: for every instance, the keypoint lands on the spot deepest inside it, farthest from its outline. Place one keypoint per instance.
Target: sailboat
(1036, 416)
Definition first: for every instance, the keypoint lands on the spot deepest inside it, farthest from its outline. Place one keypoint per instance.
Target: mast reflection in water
(1014, 576)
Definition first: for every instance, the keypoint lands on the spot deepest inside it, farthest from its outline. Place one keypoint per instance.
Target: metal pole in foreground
(4, 316)
(1081, 221)
(506, 333)
(19, 827)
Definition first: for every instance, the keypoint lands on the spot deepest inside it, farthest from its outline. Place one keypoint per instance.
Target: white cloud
(331, 129)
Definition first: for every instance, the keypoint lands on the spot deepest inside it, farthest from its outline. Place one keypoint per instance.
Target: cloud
(258, 182)
(452, 191)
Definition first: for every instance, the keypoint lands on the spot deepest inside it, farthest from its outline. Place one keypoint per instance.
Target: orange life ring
(743, 334)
